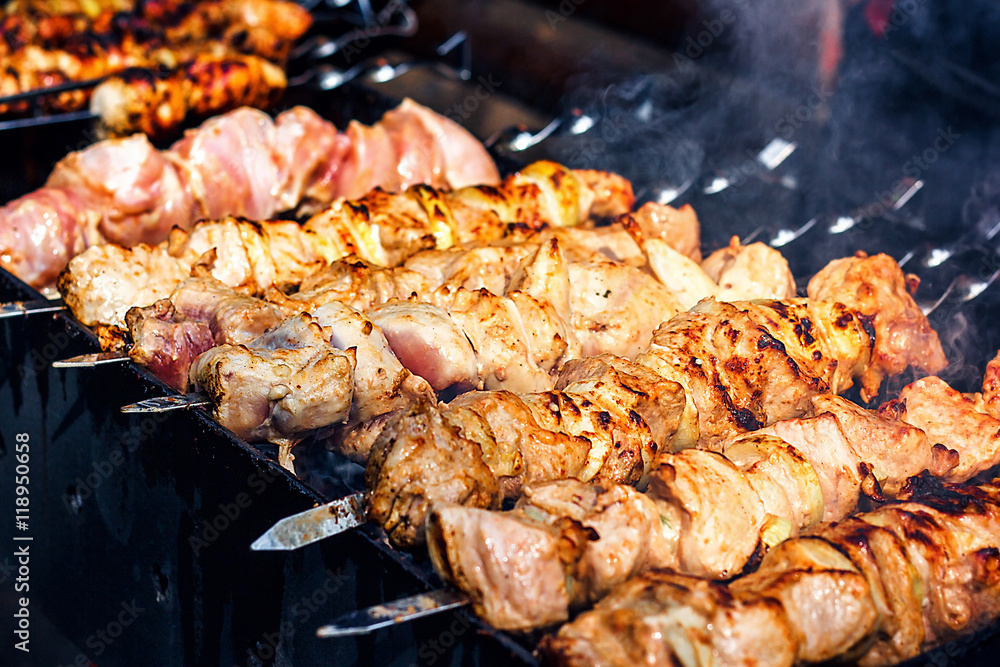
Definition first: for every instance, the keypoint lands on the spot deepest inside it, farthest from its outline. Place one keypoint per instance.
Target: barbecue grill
(141, 523)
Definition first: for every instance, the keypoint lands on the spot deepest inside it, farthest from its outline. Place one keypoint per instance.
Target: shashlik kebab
(37, 53)
(451, 337)
(566, 543)
(435, 313)
(402, 484)
(241, 163)
(103, 282)
(876, 589)
(760, 341)
(777, 481)
(158, 101)
(60, 8)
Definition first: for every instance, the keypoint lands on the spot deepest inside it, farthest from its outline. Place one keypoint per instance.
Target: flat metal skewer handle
(388, 614)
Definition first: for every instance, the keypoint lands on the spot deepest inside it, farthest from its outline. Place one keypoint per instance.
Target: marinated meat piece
(616, 308)
(680, 274)
(755, 271)
(166, 342)
(876, 287)
(590, 430)
(826, 598)
(678, 227)
(498, 336)
(951, 419)
(102, 285)
(168, 336)
(382, 386)
(737, 373)
(428, 343)
(822, 442)
(550, 536)
(475, 541)
(419, 457)
(711, 539)
(281, 387)
(232, 317)
(899, 449)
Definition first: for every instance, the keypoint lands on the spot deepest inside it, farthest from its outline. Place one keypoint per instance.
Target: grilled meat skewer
(38, 52)
(124, 191)
(774, 488)
(159, 101)
(877, 588)
(549, 287)
(725, 354)
(100, 286)
(763, 337)
(483, 446)
(457, 337)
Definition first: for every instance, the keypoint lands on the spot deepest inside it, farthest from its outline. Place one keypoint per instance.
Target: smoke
(888, 113)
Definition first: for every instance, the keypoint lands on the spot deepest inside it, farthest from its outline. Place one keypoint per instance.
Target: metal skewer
(298, 530)
(168, 403)
(23, 308)
(91, 360)
(388, 614)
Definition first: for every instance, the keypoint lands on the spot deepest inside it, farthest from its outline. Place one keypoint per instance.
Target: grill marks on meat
(883, 586)
(126, 192)
(772, 489)
(158, 102)
(591, 429)
(283, 253)
(749, 364)
(876, 287)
